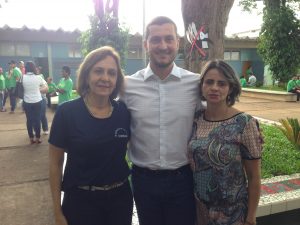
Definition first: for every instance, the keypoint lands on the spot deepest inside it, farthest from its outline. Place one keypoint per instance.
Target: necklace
(98, 115)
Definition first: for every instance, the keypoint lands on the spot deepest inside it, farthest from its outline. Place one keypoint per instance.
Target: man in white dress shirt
(162, 99)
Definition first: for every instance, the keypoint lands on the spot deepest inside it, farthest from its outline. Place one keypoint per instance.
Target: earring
(228, 98)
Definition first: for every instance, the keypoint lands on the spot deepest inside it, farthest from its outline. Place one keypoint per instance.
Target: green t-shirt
(51, 87)
(291, 85)
(249, 71)
(298, 82)
(6, 79)
(12, 80)
(2, 82)
(67, 86)
(243, 82)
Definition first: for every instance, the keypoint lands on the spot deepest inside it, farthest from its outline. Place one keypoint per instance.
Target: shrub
(279, 156)
(259, 83)
(291, 129)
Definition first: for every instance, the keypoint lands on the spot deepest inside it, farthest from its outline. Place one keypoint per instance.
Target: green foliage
(259, 83)
(291, 129)
(279, 42)
(105, 32)
(279, 156)
(128, 161)
(247, 5)
(74, 94)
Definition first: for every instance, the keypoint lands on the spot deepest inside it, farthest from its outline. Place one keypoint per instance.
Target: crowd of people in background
(293, 85)
(33, 104)
(8, 79)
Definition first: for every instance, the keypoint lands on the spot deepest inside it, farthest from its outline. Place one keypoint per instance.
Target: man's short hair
(66, 69)
(160, 20)
(12, 62)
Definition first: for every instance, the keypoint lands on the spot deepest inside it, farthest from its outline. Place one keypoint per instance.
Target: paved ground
(25, 195)
(268, 109)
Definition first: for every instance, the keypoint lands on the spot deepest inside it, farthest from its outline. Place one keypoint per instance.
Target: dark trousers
(1, 99)
(44, 120)
(48, 100)
(164, 197)
(297, 93)
(33, 116)
(12, 98)
(5, 97)
(112, 207)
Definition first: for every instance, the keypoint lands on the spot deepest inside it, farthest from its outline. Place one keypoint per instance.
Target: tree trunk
(210, 18)
(99, 9)
(113, 8)
(272, 4)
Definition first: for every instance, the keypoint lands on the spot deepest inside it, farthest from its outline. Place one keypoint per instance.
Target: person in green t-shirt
(298, 80)
(243, 81)
(51, 90)
(293, 87)
(13, 76)
(6, 90)
(2, 89)
(249, 71)
(65, 86)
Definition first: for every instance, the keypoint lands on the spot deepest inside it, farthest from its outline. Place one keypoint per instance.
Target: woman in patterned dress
(225, 152)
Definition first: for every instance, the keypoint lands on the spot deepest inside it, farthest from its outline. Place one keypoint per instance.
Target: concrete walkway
(25, 196)
(268, 109)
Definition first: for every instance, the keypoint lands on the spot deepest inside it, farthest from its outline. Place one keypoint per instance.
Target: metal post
(143, 38)
(50, 62)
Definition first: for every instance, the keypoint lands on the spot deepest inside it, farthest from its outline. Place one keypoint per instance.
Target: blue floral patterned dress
(216, 151)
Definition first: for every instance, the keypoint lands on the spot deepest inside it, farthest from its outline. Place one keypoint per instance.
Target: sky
(73, 14)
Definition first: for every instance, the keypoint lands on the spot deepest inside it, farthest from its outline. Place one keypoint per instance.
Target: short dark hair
(30, 67)
(229, 74)
(89, 61)
(66, 69)
(160, 20)
(12, 62)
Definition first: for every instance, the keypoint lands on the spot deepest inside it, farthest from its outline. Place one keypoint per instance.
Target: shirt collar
(149, 73)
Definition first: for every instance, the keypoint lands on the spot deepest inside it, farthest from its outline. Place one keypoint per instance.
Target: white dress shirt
(162, 114)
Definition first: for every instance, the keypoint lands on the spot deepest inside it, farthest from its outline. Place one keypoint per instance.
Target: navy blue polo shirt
(95, 147)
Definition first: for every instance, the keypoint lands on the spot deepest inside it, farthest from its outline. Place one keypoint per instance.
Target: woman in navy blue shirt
(93, 131)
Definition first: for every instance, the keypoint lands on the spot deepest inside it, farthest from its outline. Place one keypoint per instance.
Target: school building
(53, 49)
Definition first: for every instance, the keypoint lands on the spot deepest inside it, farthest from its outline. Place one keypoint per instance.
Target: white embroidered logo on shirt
(121, 133)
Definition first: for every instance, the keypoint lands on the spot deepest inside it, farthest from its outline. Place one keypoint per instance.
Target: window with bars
(74, 51)
(232, 55)
(14, 49)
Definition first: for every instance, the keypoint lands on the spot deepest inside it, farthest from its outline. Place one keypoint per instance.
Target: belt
(104, 187)
(149, 172)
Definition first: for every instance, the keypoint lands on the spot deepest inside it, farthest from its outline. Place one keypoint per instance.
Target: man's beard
(165, 64)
